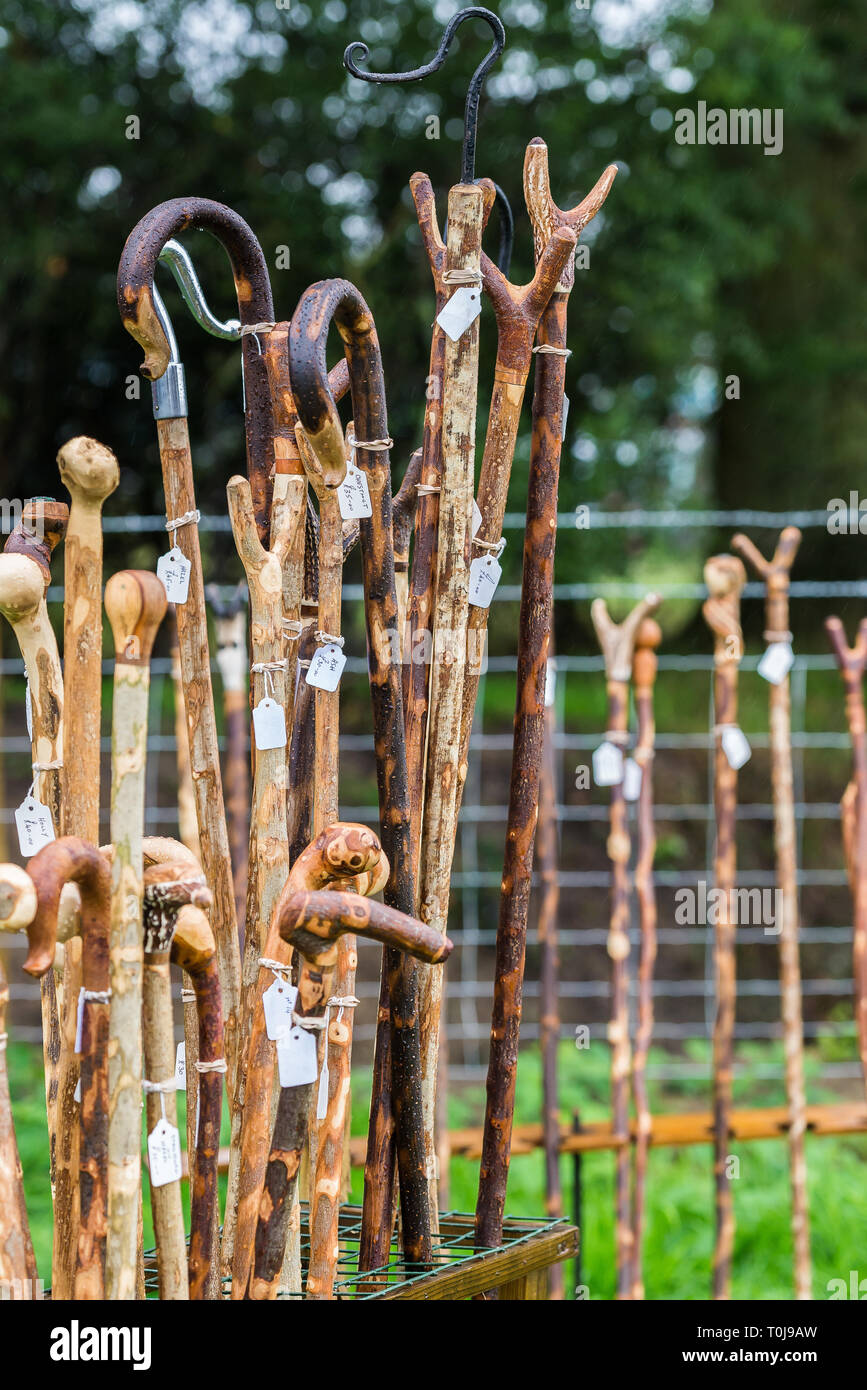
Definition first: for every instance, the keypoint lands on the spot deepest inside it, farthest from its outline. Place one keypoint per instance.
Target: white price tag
(269, 724)
(164, 1153)
(477, 520)
(735, 746)
(28, 709)
(297, 1057)
(174, 569)
(353, 494)
(326, 667)
(550, 683)
(565, 416)
(278, 1002)
(79, 1021)
(631, 780)
(462, 309)
(33, 823)
(485, 573)
(607, 765)
(181, 1066)
(76, 1094)
(777, 662)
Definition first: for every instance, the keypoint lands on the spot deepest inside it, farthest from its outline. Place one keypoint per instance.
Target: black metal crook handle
(361, 51)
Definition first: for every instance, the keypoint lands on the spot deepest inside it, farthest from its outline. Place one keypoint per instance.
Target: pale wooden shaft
(168, 1212)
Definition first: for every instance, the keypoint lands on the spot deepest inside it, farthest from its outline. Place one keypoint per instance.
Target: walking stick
(644, 666)
(194, 950)
(852, 662)
(725, 577)
(17, 1260)
(312, 924)
(66, 860)
(135, 602)
(139, 312)
(617, 642)
(775, 574)
(231, 624)
(167, 888)
(338, 300)
(188, 827)
(547, 855)
(342, 852)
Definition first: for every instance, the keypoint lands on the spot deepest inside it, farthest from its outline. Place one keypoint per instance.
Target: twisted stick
(644, 665)
(776, 576)
(725, 577)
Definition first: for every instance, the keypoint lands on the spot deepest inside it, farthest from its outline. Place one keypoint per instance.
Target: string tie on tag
(495, 547)
(312, 1025)
(472, 278)
(325, 639)
(267, 668)
(374, 446)
(188, 996)
(773, 636)
(43, 767)
(277, 967)
(549, 349)
(617, 736)
(160, 1088)
(254, 329)
(96, 996)
(194, 516)
(721, 728)
(218, 1065)
(341, 1002)
(428, 489)
(292, 628)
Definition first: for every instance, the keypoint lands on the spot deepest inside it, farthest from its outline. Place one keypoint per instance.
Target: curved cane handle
(313, 922)
(89, 471)
(193, 945)
(135, 602)
(851, 660)
(42, 526)
(17, 898)
(68, 859)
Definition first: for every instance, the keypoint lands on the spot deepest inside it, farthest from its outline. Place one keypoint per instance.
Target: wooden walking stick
(311, 923)
(342, 852)
(617, 642)
(725, 577)
(852, 662)
(167, 888)
(776, 576)
(188, 826)
(135, 602)
(339, 301)
(644, 666)
(194, 950)
(17, 1261)
(230, 617)
(547, 857)
(66, 860)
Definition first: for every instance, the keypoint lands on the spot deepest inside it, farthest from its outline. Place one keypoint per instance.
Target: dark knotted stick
(71, 860)
(852, 662)
(339, 301)
(776, 576)
(167, 888)
(311, 924)
(17, 1260)
(230, 620)
(725, 577)
(193, 949)
(617, 642)
(644, 665)
(547, 857)
(343, 851)
(135, 602)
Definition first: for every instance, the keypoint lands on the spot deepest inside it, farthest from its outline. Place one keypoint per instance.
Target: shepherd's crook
(775, 574)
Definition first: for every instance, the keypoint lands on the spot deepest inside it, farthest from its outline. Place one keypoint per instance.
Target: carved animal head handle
(618, 639)
(644, 660)
(725, 578)
(89, 471)
(66, 860)
(167, 888)
(851, 660)
(343, 850)
(545, 215)
(42, 526)
(777, 576)
(135, 601)
(359, 50)
(17, 898)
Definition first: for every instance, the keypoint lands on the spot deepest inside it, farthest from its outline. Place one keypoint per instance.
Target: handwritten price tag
(269, 724)
(174, 569)
(164, 1154)
(181, 1066)
(485, 574)
(33, 823)
(326, 667)
(565, 416)
(353, 494)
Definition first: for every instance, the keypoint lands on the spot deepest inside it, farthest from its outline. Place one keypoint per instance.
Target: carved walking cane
(547, 856)
(852, 662)
(617, 642)
(775, 574)
(66, 860)
(725, 577)
(167, 888)
(342, 852)
(311, 923)
(188, 826)
(135, 602)
(17, 1260)
(231, 624)
(644, 666)
(339, 301)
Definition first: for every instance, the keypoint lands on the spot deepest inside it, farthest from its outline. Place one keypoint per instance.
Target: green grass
(680, 1200)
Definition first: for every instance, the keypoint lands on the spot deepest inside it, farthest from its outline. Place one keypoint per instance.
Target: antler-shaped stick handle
(545, 215)
(851, 660)
(776, 574)
(617, 640)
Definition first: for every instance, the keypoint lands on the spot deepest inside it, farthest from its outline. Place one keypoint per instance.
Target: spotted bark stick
(776, 576)
(135, 602)
(234, 665)
(617, 642)
(64, 860)
(547, 863)
(725, 577)
(188, 826)
(644, 664)
(17, 1260)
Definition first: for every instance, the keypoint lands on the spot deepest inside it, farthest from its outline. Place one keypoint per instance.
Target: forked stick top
(851, 660)
(89, 470)
(618, 639)
(17, 898)
(644, 660)
(135, 601)
(775, 571)
(544, 213)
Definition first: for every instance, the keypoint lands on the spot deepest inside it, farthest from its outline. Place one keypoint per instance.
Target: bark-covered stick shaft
(547, 864)
(725, 577)
(234, 665)
(159, 1058)
(17, 1259)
